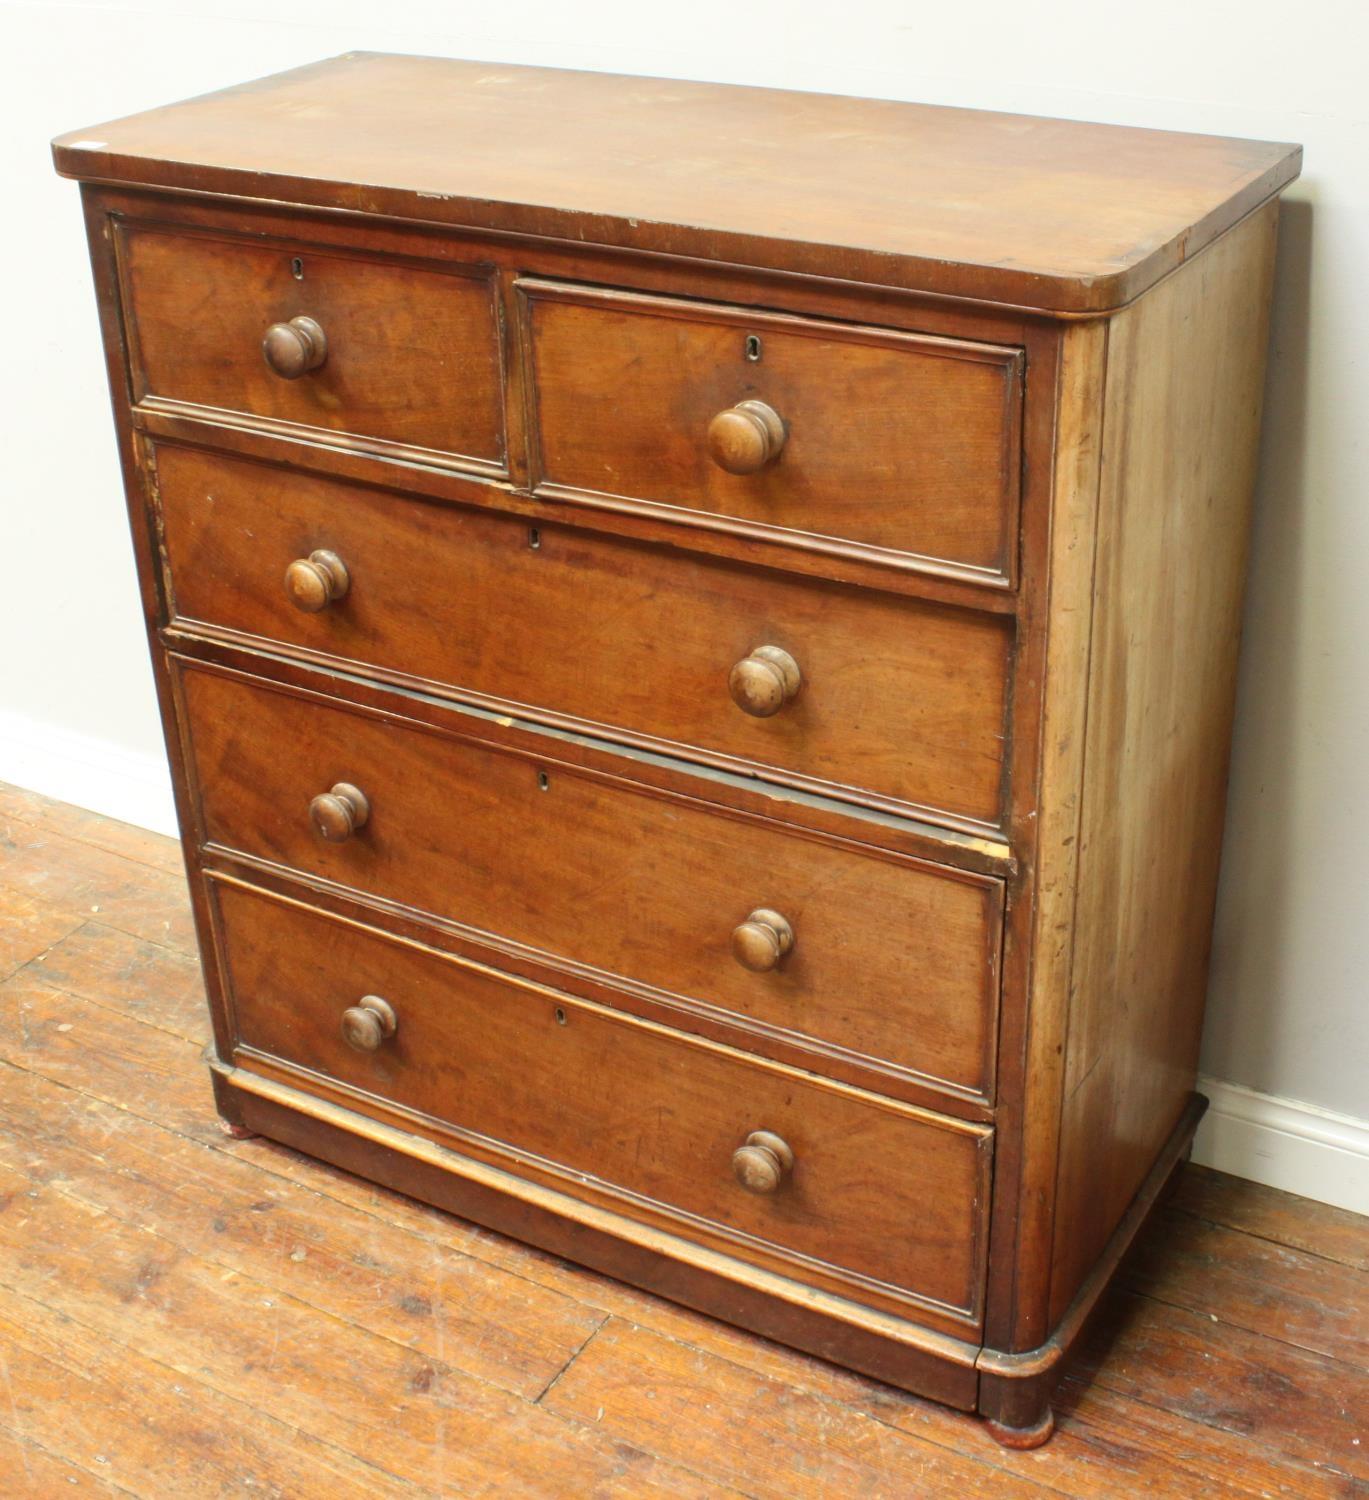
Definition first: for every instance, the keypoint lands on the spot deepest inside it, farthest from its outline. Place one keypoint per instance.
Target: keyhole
(543, 782)
(753, 347)
(534, 538)
(297, 268)
(560, 1016)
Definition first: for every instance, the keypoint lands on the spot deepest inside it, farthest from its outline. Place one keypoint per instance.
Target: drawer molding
(950, 920)
(843, 1280)
(629, 1205)
(126, 227)
(603, 987)
(1008, 360)
(806, 813)
(659, 1240)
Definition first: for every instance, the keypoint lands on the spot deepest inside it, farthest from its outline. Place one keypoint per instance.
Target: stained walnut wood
(783, 670)
(622, 637)
(616, 1107)
(639, 886)
(784, 425)
(1051, 214)
(200, 305)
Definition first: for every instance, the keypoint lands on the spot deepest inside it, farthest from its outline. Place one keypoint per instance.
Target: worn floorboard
(183, 1315)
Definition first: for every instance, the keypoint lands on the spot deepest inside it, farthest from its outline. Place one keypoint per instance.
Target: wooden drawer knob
(762, 683)
(762, 940)
(762, 1163)
(366, 1025)
(293, 349)
(746, 437)
(314, 582)
(337, 814)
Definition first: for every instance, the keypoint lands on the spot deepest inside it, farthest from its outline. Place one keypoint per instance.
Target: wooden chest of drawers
(696, 631)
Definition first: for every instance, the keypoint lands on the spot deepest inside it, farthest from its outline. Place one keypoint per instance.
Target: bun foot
(1022, 1437)
(236, 1132)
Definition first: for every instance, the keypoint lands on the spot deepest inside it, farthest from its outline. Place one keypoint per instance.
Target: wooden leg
(1022, 1437)
(230, 1111)
(1017, 1412)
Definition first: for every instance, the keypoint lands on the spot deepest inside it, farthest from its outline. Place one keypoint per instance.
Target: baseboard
(1285, 1144)
(130, 785)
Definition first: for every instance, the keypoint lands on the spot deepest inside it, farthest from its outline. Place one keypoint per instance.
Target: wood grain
(139, 845)
(644, 889)
(1265, 1213)
(1046, 213)
(488, 1322)
(904, 445)
(673, 1399)
(413, 356)
(1179, 457)
(1274, 1290)
(902, 701)
(885, 1195)
(60, 873)
(108, 967)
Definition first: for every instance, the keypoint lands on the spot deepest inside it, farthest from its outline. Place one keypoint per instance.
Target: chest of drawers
(696, 632)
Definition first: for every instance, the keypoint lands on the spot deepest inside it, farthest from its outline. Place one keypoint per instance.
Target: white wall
(1288, 1013)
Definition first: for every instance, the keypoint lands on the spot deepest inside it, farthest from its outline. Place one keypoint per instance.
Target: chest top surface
(1051, 215)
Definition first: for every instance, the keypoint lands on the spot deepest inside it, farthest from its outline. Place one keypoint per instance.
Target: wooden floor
(185, 1315)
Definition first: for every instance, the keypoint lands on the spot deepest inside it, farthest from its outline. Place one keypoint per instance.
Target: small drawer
(878, 1200)
(838, 438)
(394, 356)
(849, 691)
(815, 950)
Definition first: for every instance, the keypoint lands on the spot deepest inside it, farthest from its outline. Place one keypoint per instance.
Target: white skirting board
(1285, 1144)
(133, 786)
(1280, 1142)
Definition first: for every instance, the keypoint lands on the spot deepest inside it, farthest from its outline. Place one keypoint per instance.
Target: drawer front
(899, 701)
(884, 957)
(907, 447)
(411, 350)
(890, 1196)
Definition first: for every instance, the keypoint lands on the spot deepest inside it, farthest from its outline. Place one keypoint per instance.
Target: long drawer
(885, 698)
(798, 940)
(882, 1200)
(387, 354)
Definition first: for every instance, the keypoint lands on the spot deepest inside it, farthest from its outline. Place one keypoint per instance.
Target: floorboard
(182, 1314)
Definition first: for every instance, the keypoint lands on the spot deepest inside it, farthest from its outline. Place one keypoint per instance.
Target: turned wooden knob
(746, 437)
(293, 349)
(762, 683)
(314, 582)
(762, 940)
(366, 1025)
(337, 814)
(762, 1162)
